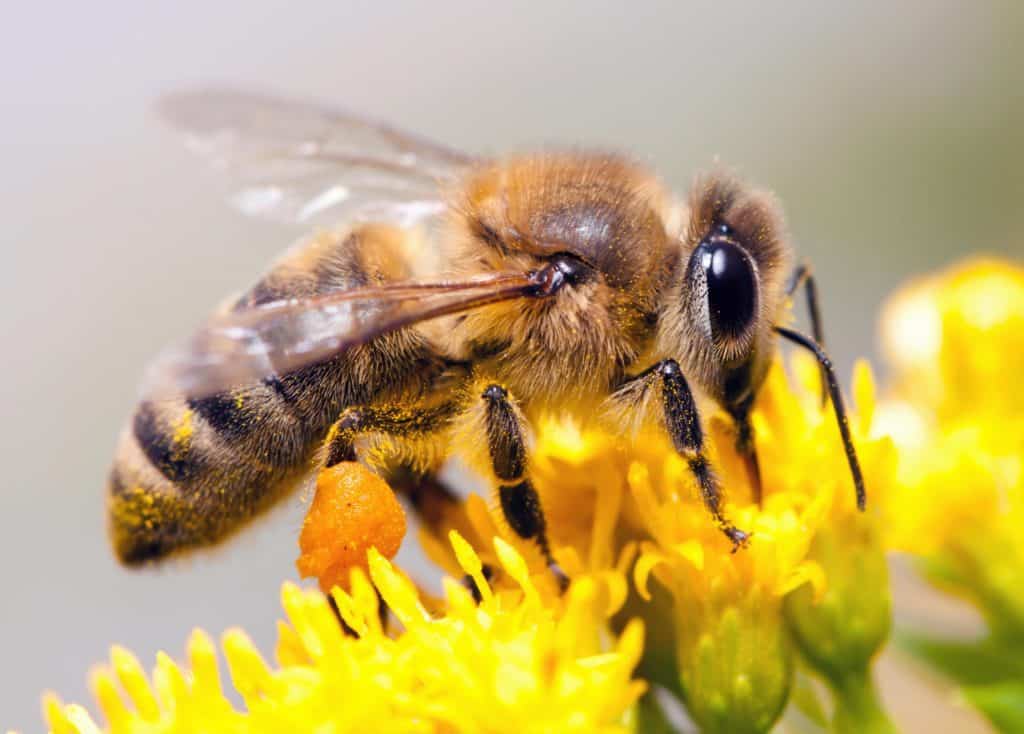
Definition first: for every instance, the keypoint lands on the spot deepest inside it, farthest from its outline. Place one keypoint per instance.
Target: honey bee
(457, 292)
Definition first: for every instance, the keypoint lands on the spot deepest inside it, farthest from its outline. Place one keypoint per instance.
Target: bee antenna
(837, 403)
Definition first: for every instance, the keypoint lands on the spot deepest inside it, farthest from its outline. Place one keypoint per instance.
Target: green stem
(858, 707)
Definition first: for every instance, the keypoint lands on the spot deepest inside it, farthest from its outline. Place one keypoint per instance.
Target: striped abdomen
(189, 471)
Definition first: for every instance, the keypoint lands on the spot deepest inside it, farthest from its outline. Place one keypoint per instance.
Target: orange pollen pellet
(352, 511)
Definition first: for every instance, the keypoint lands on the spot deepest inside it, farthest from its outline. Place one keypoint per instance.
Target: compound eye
(730, 287)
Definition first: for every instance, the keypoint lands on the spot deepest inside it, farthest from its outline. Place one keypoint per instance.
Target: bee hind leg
(425, 492)
(431, 499)
(520, 503)
(397, 422)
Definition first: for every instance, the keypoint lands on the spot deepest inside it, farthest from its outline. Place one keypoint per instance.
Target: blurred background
(893, 133)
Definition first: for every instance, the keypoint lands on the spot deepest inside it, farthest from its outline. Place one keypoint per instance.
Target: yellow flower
(720, 637)
(507, 664)
(840, 630)
(734, 654)
(956, 338)
(956, 343)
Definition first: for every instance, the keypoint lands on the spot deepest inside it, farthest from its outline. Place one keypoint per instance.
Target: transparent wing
(301, 163)
(246, 346)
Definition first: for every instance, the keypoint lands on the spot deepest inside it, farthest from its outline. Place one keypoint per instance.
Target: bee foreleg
(506, 443)
(682, 422)
(803, 276)
(837, 406)
(391, 421)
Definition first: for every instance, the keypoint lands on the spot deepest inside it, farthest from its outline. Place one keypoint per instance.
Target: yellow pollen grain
(183, 429)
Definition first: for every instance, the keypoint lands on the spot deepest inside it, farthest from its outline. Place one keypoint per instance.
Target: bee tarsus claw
(739, 538)
(560, 578)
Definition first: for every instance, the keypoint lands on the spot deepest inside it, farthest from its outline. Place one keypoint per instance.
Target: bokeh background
(893, 132)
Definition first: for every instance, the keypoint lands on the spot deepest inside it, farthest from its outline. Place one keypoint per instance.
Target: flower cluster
(508, 650)
(508, 663)
(955, 342)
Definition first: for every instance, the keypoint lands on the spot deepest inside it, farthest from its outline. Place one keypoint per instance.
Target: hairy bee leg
(520, 502)
(837, 404)
(683, 424)
(391, 421)
(803, 276)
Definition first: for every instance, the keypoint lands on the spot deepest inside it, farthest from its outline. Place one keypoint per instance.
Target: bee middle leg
(682, 421)
(520, 503)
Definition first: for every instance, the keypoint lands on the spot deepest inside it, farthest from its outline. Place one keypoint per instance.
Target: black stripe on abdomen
(173, 455)
(264, 423)
(225, 414)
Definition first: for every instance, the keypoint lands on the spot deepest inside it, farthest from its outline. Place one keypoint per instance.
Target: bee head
(729, 286)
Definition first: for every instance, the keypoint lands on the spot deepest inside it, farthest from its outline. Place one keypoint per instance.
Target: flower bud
(735, 664)
(839, 634)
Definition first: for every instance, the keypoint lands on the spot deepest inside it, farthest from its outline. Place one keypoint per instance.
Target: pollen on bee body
(183, 429)
(352, 511)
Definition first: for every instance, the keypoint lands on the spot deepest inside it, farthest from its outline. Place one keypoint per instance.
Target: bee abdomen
(176, 481)
(188, 472)
(145, 524)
